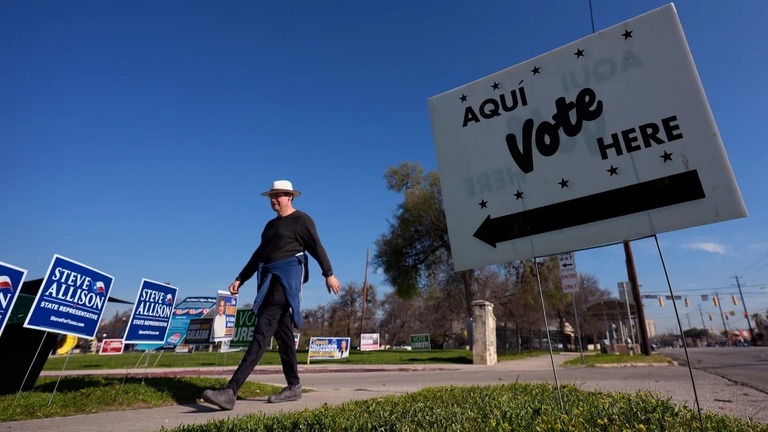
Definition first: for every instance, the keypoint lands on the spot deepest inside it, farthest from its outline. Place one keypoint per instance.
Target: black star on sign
(463, 98)
(613, 170)
(483, 204)
(536, 70)
(563, 183)
(666, 156)
(518, 195)
(627, 34)
(495, 85)
(579, 53)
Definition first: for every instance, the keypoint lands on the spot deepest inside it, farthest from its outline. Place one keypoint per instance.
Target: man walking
(281, 263)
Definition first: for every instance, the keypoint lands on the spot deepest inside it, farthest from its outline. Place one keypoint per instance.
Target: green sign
(420, 342)
(245, 322)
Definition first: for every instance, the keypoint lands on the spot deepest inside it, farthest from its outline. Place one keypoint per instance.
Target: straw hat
(282, 186)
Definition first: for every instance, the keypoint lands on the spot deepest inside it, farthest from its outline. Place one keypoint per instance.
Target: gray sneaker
(287, 394)
(223, 398)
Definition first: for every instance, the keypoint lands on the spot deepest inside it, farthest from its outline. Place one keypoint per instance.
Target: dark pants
(274, 319)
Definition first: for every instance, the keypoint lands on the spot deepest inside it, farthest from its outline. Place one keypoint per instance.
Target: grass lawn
(505, 407)
(99, 393)
(617, 359)
(76, 395)
(200, 359)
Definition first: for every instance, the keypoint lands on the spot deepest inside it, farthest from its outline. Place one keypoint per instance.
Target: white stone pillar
(484, 333)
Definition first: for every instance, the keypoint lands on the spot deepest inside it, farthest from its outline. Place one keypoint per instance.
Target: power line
(743, 286)
(764, 257)
(697, 292)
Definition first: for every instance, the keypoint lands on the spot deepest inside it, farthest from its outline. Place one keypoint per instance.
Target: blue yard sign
(11, 279)
(71, 299)
(185, 311)
(152, 313)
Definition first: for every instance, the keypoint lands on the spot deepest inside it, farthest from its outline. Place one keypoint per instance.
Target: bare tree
(588, 293)
(401, 318)
(345, 312)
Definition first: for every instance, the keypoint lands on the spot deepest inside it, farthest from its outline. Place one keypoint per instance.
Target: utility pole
(365, 295)
(746, 314)
(646, 344)
(629, 313)
(722, 317)
(704, 326)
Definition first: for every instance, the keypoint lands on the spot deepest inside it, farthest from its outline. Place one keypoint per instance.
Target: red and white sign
(369, 342)
(112, 346)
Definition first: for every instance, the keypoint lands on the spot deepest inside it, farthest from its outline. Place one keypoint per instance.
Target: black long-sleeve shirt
(284, 237)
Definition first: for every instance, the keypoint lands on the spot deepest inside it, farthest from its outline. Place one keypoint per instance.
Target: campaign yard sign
(224, 317)
(420, 342)
(199, 331)
(369, 342)
(186, 310)
(152, 313)
(245, 323)
(71, 299)
(606, 139)
(11, 279)
(328, 348)
(112, 347)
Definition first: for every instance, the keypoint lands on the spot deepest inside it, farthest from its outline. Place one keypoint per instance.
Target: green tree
(417, 241)
(696, 333)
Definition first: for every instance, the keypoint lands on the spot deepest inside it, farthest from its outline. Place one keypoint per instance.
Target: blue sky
(136, 137)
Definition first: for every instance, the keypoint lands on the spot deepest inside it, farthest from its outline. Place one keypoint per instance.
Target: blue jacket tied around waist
(292, 273)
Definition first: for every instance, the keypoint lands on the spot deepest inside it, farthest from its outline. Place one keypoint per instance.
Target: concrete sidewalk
(335, 384)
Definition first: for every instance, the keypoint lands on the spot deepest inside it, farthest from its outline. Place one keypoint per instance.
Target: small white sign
(569, 279)
(606, 139)
(566, 261)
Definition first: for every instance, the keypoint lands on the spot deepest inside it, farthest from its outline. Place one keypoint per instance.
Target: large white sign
(609, 138)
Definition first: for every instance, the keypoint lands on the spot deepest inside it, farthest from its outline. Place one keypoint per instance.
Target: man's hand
(234, 287)
(332, 284)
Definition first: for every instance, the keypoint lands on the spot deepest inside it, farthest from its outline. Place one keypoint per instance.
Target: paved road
(335, 384)
(743, 365)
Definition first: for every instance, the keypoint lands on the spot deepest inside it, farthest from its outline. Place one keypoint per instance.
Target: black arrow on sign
(648, 195)
(566, 265)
